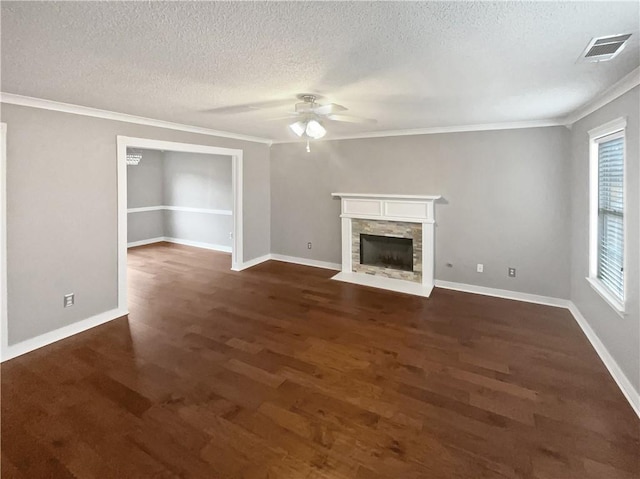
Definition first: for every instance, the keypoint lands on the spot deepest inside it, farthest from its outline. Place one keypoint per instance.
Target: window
(607, 212)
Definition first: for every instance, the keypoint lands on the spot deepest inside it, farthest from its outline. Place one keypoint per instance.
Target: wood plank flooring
(278, 372)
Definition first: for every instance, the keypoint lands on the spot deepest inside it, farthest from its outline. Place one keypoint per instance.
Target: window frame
(609, 131)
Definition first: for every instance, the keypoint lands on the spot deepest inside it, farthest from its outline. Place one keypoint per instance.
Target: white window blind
(611, 214)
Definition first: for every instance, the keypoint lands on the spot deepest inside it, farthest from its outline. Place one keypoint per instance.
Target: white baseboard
(45, 339)
(133, 244)
(306, 262)
(618, 375)
(503, 293)
(195, 244)
(198, 244)
(610, 363)
(253, 262)
(289, 259)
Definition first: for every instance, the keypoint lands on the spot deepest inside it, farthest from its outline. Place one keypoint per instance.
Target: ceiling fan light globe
(299, 128)
(315, 130)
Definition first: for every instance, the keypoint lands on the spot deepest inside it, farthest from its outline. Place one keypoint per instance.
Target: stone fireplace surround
(395, 229)
(400, 216)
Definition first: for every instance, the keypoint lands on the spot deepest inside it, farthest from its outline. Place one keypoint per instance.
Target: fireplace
(386, 252)
(388, 241)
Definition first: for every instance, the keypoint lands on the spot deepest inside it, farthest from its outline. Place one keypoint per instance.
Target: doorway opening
(179, 193)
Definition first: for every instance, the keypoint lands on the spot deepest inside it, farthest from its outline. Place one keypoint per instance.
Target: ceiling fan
(312, 114)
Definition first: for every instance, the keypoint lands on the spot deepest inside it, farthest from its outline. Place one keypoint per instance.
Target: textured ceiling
(409, 65)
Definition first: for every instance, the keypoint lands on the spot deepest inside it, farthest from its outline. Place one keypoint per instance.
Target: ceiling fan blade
(247, 107)
(286, 117)
(328, 109)
(351, 119)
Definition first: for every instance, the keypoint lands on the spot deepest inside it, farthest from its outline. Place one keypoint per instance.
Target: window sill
(604, 293)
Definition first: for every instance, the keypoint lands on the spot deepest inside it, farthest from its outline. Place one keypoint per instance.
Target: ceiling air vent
(603, 48)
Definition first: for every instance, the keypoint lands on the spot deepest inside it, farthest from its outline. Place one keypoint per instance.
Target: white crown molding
(13, 99)
(616, 90)
(439, 129)
(625, 84)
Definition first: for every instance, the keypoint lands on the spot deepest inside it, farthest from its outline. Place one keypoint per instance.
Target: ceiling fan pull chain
(308, 147)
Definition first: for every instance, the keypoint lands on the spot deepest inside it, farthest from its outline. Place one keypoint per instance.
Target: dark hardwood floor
(278, 372)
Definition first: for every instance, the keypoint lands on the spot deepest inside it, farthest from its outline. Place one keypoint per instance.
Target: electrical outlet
(230, 234)
(309, 245)
(512, 272)
(69, 300)
(480, 268)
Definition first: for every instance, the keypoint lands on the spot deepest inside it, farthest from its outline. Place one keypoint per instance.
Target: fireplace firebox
(386, 252)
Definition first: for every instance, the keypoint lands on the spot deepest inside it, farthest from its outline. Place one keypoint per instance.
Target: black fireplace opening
(386, 252)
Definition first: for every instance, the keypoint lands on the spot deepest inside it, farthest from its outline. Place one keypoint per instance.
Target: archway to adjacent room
(133, 144)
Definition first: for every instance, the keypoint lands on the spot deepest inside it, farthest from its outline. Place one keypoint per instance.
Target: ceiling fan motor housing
(307, 104)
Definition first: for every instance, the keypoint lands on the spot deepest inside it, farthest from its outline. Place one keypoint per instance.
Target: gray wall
(145, 187)
(198, 181)
(180, 179)
(62, 212)
(145, 225)
(506, 201)
(621, 336)
(145, 181)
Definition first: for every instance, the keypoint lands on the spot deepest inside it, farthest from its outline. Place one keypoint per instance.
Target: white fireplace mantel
(402, 208)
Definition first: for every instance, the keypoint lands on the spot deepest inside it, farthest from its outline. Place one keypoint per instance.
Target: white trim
(124, 142)
(608, 128)
(144, 242)
(610, 363)
(144, 209)
(13, 99)
(168, 239)
(503, 293)
(604, 292)
(618, 89)
(390, 197)
(511, 125)
(306, 262)
(66, 331)
(253, 262)
(611, 130)
(4, 319)
(405, 219)
(389, 207)
(289, 259)
(391, 284)
(198, 244)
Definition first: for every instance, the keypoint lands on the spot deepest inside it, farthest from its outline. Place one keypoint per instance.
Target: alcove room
(175, 198)
(338, 240)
